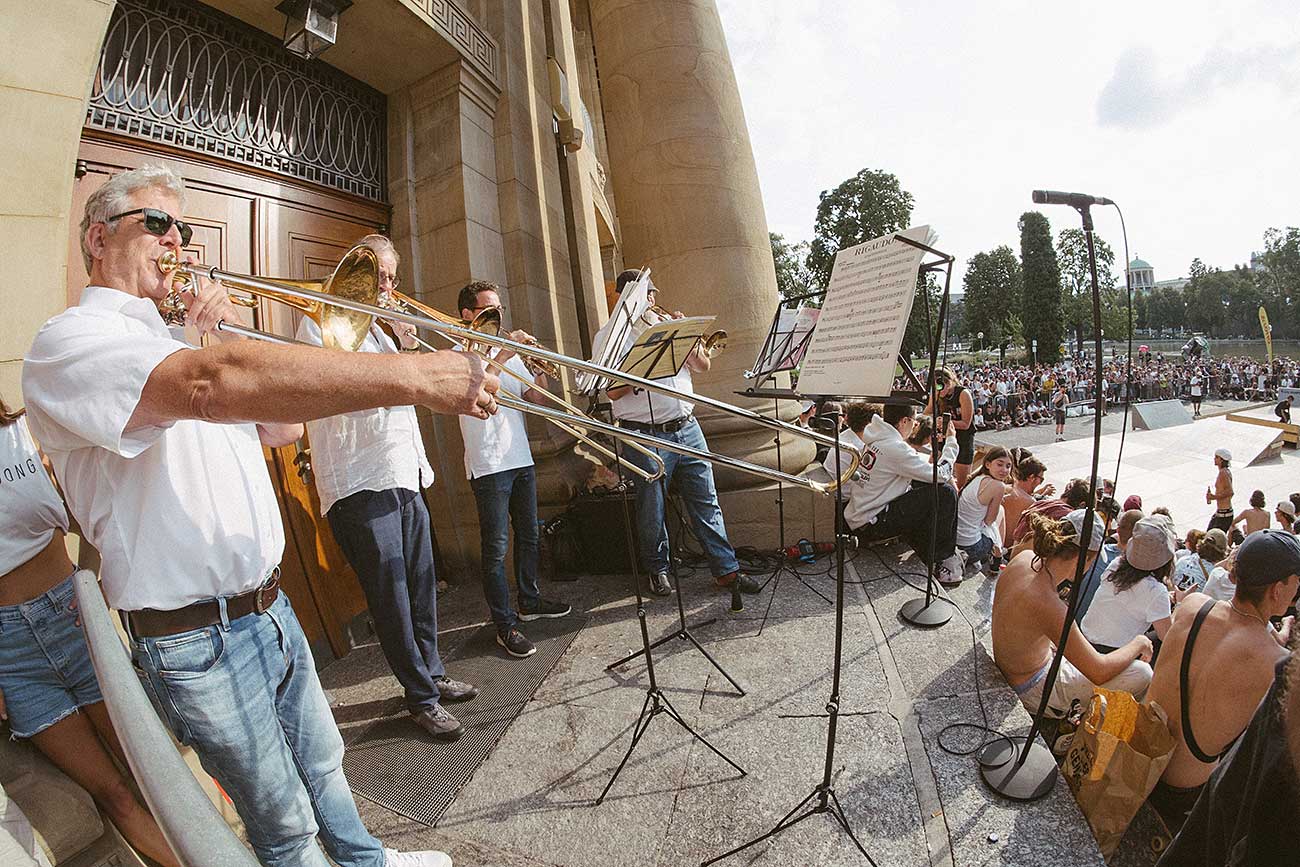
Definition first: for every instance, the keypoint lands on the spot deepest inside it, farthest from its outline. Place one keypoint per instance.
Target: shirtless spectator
(1221, 493)
(1075, 496)
(1218, 661)
(1028, 616)
(1028, 474)
(1256, 517)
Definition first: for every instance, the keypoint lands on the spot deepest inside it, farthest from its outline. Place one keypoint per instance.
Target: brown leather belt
(151, 623)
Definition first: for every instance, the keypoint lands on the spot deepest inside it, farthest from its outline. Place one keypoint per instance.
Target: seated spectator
(978, 508)
(1028, 616)
(1246, 811)
(1027, 474)
(1218, 661)
(1222, 583)
(885, 502)
(1075, 496)
(1132, 501)
(1285, 514)
(1107, 560)
(1256, 517)
(1194, 570)
(978, 421)
(1133, 596)
(1193, 538)
(920, 440)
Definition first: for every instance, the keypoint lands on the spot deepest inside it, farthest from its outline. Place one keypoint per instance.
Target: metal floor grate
(395, 765)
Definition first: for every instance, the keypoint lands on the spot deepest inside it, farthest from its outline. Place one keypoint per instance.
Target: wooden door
(248, 224)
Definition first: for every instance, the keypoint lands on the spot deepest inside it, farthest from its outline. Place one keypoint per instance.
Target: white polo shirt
(180, 512)
(500, 442)
(370, 450)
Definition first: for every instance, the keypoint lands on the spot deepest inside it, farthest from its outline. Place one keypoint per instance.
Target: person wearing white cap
(1285, 514)
(1221, 493)
(1133, 596)
(1028, 615)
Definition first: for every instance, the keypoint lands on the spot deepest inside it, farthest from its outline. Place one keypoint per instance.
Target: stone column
(687, 195)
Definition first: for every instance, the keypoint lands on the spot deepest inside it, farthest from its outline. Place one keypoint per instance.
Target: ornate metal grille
(191, 77)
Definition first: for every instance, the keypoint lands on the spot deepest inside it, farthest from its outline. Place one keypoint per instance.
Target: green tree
(1141, 312)
(866, 206)
(1166, 309)
(1279, 277)
(1217, 302)
(1041, 297)
(993, 287)
(792, 277)
(1076, 286)
(1197, 269)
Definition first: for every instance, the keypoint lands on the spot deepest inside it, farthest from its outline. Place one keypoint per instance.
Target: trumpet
(358, 275)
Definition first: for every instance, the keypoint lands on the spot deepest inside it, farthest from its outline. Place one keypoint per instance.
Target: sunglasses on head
(159, 223)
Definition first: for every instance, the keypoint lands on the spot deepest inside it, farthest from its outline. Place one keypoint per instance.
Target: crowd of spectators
(1014, 395)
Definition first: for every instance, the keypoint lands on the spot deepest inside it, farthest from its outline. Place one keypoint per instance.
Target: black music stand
(822, 799)
(661, 351)
(782, 350)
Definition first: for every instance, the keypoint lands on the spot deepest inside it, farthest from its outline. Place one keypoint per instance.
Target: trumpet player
(158, 447)
(499, 466)
(673, 419)
(369, 468)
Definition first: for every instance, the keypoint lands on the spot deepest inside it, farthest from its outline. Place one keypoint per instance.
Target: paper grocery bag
(1117, 756)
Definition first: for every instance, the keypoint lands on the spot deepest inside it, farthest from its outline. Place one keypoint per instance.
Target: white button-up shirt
(371, 450)
(500, 442)
(180, 512)
(652, 407)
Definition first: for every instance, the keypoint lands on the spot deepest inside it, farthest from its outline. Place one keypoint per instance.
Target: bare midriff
(38, 575)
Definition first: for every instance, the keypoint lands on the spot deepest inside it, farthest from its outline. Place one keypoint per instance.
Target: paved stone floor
(911, 803)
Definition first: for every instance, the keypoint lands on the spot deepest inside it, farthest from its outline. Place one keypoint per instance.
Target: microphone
(1074, 200)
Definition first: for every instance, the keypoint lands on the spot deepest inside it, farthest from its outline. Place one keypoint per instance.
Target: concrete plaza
(910, 802)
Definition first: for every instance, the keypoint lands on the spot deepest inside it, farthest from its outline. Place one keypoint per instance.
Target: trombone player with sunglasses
(158, 447)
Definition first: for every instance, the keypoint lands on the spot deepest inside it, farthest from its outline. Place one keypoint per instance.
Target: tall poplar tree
(1041, 316)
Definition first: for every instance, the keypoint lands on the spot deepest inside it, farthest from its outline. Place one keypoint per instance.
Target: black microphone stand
(1023, 769)
(655, 701)
(822, 799)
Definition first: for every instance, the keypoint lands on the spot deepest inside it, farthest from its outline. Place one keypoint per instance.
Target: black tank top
(952, 405)
(1188, 738)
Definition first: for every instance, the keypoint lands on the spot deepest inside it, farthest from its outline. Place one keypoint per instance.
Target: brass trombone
(361, 259)
(489, 321)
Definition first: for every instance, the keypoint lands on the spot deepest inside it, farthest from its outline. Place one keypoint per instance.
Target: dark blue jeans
(504, 499)
(385, 536)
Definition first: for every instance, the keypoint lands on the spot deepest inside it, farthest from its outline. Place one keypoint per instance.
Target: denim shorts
(45, 668)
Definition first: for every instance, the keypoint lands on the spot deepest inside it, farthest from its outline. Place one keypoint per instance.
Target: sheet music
(661, 349)
(786, 343)
(616, 336)
(854, 350)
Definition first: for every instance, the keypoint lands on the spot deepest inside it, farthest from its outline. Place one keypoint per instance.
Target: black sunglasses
(159, 223)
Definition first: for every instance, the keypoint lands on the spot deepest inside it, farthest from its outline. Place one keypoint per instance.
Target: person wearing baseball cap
(1221, 493)
(1285, 514)
(1218, 661)
(1028, 613)
(1133, 596)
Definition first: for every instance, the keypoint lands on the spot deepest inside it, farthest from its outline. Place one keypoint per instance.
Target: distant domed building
(1142, 277)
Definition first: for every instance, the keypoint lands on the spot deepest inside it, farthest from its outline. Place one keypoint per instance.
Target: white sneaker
(949, 573)
(393, 858)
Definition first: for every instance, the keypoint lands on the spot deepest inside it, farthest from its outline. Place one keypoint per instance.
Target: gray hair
(381, 245)
(112, 198)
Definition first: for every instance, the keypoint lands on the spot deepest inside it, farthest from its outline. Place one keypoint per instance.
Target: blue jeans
(385, 536)
(504, 499)
(694, 481)
(980, 550)
(246, 697)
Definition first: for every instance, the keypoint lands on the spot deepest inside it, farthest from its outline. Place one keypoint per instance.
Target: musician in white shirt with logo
(158, 447)
(672, 419)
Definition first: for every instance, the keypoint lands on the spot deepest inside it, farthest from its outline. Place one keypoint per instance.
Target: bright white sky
(1185, 113)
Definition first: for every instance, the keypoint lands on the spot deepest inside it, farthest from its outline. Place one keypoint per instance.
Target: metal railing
(193, 827)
